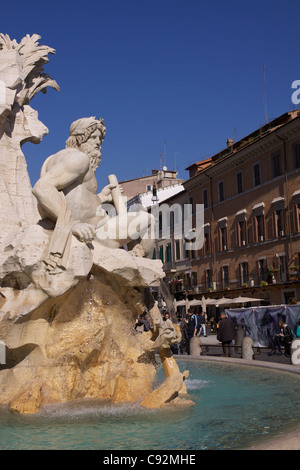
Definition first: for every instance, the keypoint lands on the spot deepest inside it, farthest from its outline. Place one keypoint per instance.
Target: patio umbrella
(223, 301)
(195, 302)
(203, 303)
(211, 301)
(244, 300)
(183, 303)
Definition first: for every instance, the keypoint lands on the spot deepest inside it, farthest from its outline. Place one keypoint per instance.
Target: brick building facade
(251, 197)
(160, 178)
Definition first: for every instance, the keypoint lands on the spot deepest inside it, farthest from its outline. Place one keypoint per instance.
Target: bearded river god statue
(74, 274)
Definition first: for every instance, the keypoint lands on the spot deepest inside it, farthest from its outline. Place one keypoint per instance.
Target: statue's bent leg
(131, 229)
(142, 233)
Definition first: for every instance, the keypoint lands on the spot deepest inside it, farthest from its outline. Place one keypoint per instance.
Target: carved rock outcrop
(78, 345)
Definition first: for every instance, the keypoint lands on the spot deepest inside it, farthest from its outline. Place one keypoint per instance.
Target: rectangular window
(206, 244)
(279, 225)
(177, 221)
(261, 270)
(223, 238)
(282, 268)
(260, 232)
(208, 279)
(276, 164)
(296, 155)
(168, 253)
(177, 247)
(256, 174)
(221, 191)
(239, 182)
(191, 204)
(160, 222)
(225, 276)
(244, 273)
(161, 253)
(242, 233)
(205, 198)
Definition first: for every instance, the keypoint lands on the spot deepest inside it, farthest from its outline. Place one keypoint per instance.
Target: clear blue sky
(170, 76)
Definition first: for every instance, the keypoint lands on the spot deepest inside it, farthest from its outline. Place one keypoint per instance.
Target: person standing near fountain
(192, 325)
(226, 334)
(185, 342)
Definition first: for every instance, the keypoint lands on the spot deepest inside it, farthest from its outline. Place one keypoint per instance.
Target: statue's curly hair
(82, 129)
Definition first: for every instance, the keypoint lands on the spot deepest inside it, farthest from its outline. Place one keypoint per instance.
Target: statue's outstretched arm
(105, 194)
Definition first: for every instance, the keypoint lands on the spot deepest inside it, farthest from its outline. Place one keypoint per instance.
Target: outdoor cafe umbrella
(183, 303)
(223, 301)
(203, 303)
(215, 301)
(244, 300)
(195, 302)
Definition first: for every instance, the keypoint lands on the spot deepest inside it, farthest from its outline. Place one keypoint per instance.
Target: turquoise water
(234, 408)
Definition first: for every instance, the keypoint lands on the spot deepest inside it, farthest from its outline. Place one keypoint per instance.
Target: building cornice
(248, 152)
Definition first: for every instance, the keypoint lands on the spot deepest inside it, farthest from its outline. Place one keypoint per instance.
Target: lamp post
(155, 204)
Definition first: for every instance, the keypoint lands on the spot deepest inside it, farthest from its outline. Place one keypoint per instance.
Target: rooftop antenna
(161, 162)
(165, 151)
(175, 164)
(265, 92)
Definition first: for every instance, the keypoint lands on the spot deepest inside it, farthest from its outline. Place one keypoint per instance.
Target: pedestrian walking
(226, 334)
(202, 323)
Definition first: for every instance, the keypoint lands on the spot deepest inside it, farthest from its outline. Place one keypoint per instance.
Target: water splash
(196, 384)
(92, 409)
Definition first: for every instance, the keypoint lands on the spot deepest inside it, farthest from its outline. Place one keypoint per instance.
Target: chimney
(229, 143)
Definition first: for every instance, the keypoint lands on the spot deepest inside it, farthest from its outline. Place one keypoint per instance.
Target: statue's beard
(93, 153)
(95, 162)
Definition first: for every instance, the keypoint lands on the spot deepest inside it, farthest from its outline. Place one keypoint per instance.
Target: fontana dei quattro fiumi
(70, 271)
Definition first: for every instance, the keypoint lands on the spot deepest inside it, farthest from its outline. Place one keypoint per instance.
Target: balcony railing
(219, 286)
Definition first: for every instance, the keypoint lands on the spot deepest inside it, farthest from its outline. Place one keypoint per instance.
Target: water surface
(234, 408)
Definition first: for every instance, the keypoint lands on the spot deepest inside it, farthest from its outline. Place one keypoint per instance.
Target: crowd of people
(193, 324)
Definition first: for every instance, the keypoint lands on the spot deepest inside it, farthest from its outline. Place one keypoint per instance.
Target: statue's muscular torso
(69, 171)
